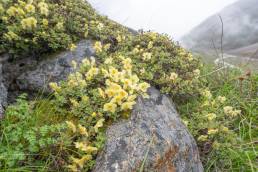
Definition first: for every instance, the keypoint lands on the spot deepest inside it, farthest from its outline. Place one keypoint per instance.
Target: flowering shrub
(94, 96)
(42, 26)
(157, 60)
(224, 126)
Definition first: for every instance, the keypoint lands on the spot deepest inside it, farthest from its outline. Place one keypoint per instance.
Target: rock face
(33, 76)
(3, 93)
(153, 138)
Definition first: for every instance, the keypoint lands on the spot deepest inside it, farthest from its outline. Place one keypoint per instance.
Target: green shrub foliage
(34, 27)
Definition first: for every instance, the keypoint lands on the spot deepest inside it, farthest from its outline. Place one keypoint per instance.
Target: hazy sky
(175, 17)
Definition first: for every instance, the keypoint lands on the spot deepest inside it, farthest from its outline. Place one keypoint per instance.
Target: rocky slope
(240, 28)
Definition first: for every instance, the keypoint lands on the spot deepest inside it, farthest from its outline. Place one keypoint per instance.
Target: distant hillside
(240, 28)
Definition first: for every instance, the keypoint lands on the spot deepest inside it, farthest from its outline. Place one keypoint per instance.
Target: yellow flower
(71, 126)
(43, 7)
(81, 146)
(29, 23)
(228, 110)
(117, 100)
(131, 98)
(74, 102)
(100, 26)
(147, 56)
(113, 71)
(101, 93)
(45, 22)
(110, 107)
(60, 25)
(173, 76)
(11, 36)
(127, 83)
(54, 86)
(150, 45)
(110, 92)
(206, 93)
(235, 113)
(106, 47)
(82, 130)
(197, 72)
(86, 62)
(122, 93)
(222, 99)
(1, 8)
(127, 105)
(115, 87)
(81, 162)
(74, 64)
(73, 168)
(211, 116)
(98, 47)
(202, 138)
(224, 129)
(144, 87)
(72, 47)
(108, 61)
(30, 8)
(212, 131)
(90, 149)
(99, 124)
(94, 114)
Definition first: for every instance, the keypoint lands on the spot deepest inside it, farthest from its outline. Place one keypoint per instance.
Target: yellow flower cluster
(72, 47)
(43, 7)
(173, 76)
(15, 11)
(229, 110)
(78, 163)
(11, 36)
(146, 56)
(29, 23)
(207, 94)
(98, 47)
(211, 116)
(30, 8)
(121, 88)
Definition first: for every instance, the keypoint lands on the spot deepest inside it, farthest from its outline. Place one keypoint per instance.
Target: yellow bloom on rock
(127, 105)
(72, 47)
(110, 107)
(144, 86)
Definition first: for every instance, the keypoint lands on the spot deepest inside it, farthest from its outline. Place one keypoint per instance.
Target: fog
(174, 17)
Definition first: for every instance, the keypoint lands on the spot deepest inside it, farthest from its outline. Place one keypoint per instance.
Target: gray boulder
(3, 94)
(32, 76)
(154, 139)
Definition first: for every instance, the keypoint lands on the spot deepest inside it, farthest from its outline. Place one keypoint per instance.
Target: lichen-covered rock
(32, 76)
(154, 138)
(3, 93)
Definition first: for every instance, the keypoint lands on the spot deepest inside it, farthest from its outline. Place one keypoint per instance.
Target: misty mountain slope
(240, 28)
